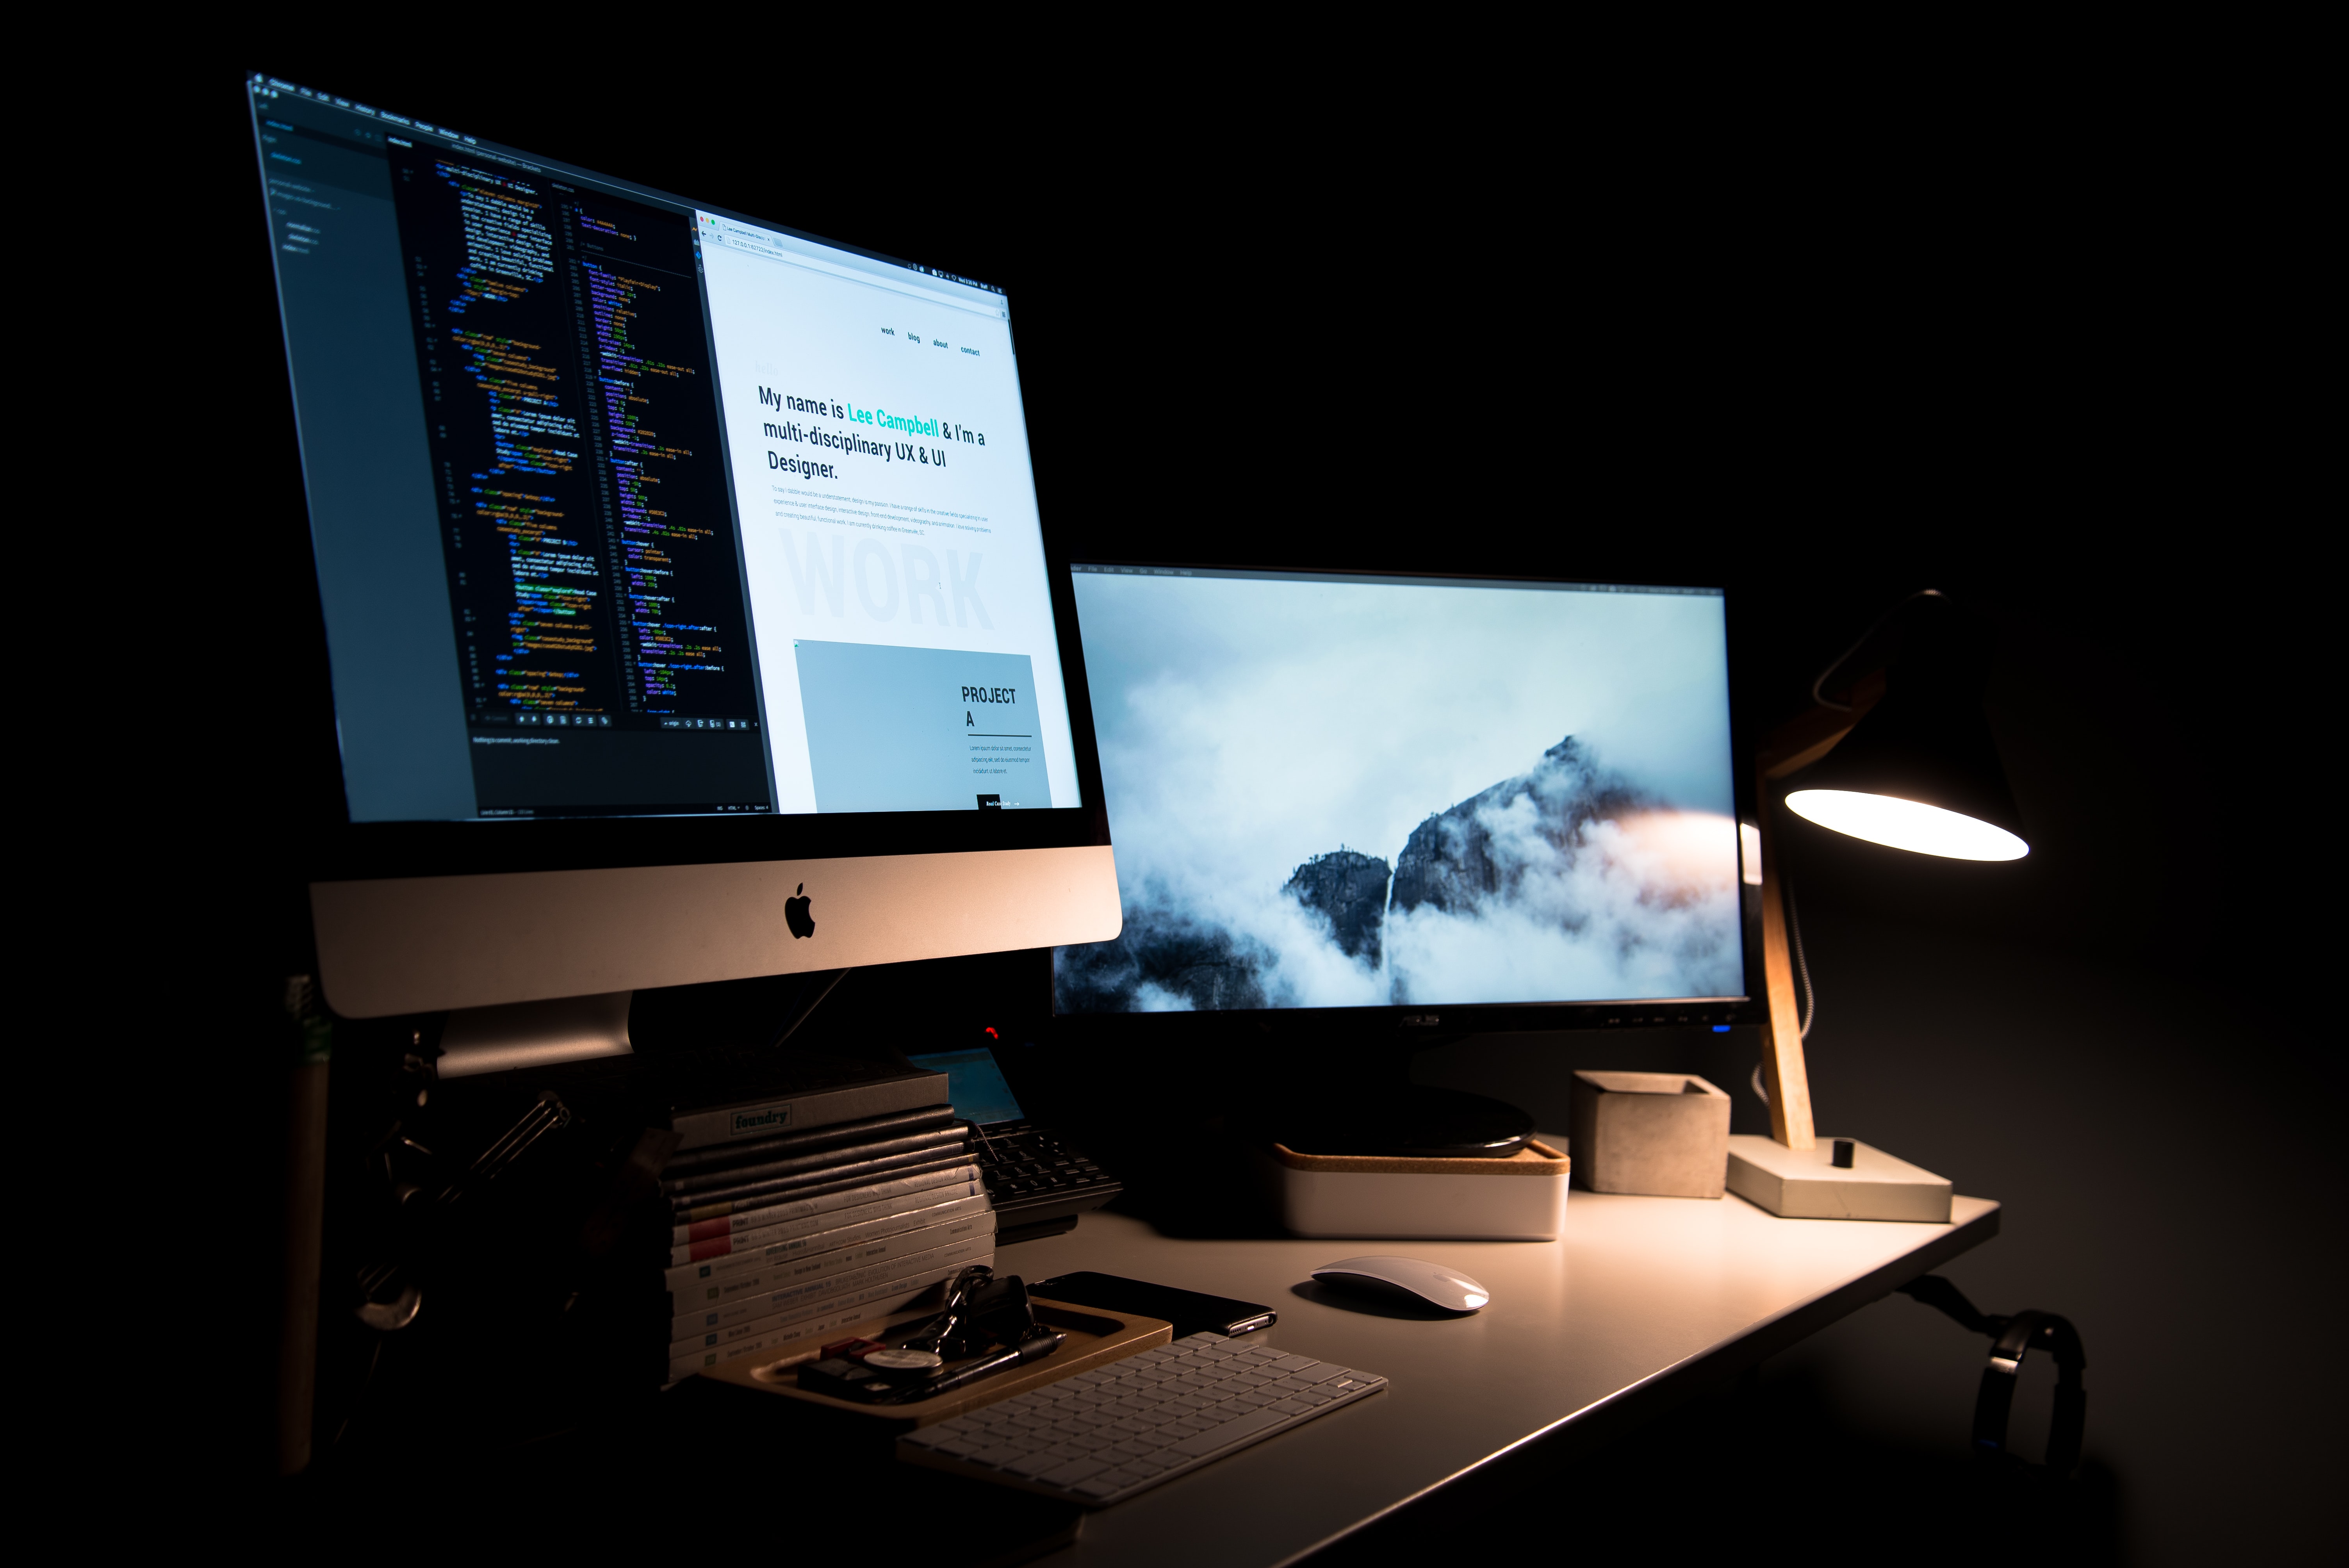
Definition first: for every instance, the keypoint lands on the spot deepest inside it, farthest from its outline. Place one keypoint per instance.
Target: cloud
(1246, 725)
(1644, 906)
(1562, 884)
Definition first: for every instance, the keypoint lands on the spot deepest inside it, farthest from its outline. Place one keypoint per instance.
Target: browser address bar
(737, 237)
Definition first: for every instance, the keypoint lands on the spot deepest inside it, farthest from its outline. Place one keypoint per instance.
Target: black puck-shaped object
(1423, 1123)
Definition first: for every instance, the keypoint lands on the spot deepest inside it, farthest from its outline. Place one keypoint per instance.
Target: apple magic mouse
(1433, 1283)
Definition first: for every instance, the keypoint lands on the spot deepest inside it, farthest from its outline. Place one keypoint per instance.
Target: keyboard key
(1072, 1472)
(1226, 1435)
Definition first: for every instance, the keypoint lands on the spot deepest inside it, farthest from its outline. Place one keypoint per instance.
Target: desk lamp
(1909, 762)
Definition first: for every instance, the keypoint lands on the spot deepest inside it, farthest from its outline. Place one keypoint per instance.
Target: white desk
(1641, 1302)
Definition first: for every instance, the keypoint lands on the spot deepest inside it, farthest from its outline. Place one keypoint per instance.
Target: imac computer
(686, 603)
(1384, 811)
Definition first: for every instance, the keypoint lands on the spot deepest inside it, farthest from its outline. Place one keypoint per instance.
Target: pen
(1040, 1342)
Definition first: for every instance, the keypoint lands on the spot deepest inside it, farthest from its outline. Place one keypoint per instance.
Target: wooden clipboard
(1095, 1338)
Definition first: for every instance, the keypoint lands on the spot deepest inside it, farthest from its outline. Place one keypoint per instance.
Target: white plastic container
(1520, 1199)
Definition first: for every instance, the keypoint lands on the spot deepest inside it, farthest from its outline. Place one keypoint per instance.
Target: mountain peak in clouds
(1476, 852)
(1349, 888)
(1567, 880)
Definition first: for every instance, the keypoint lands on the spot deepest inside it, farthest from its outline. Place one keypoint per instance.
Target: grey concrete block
(1663, 1134)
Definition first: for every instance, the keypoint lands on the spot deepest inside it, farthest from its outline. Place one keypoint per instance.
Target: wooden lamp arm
(1796, 745)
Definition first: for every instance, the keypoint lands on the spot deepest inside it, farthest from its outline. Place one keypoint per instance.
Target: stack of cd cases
(779, 1237)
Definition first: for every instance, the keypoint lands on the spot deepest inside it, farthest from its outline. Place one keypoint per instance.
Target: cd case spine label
(793, 1112)
(807, 1278)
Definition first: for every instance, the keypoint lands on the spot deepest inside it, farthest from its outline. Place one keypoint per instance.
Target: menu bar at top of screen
(715, 229)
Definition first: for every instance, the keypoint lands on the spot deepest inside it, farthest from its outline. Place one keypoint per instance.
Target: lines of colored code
(589, 541)
(636, 389)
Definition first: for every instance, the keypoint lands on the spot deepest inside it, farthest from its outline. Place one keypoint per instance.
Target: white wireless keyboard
(1103, 1435)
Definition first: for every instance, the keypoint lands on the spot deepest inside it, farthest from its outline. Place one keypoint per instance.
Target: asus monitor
(1397, 807)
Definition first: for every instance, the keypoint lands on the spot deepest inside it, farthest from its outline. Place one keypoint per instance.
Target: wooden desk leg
(1782, 1069)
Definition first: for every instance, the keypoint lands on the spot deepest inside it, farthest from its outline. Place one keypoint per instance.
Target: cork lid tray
(1520, 1199)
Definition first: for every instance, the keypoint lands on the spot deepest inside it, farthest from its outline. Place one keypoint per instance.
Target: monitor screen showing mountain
(1346, 791)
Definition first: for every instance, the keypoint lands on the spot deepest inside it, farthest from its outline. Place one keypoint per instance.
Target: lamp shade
(1920, 770)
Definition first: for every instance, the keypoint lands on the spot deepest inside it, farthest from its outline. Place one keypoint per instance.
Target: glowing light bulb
(1907, 825)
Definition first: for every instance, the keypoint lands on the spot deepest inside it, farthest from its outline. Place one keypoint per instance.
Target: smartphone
(1190, 1311)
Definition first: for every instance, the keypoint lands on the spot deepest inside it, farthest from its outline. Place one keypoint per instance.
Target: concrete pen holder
(1665, 1134)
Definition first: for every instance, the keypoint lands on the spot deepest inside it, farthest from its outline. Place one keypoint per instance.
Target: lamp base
(1806, 1183)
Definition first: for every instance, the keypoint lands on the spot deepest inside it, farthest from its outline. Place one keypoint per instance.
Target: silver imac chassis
(584, 940)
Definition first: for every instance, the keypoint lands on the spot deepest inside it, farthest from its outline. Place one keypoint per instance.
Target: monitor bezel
(1426, 1021)
(333, 847)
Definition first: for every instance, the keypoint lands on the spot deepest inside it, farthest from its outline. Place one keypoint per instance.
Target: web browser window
(626, 506)
(894, 564)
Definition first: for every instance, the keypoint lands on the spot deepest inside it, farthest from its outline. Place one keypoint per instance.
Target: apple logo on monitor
(796, 916)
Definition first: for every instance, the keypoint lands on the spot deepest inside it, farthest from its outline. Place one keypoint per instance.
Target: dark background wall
(1823, 347)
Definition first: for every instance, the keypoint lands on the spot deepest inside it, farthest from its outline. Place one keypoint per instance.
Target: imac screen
(624, 506)
(1349, 792)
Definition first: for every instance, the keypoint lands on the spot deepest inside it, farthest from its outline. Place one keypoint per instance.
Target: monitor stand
(477, 1040)
(1382, 1112)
